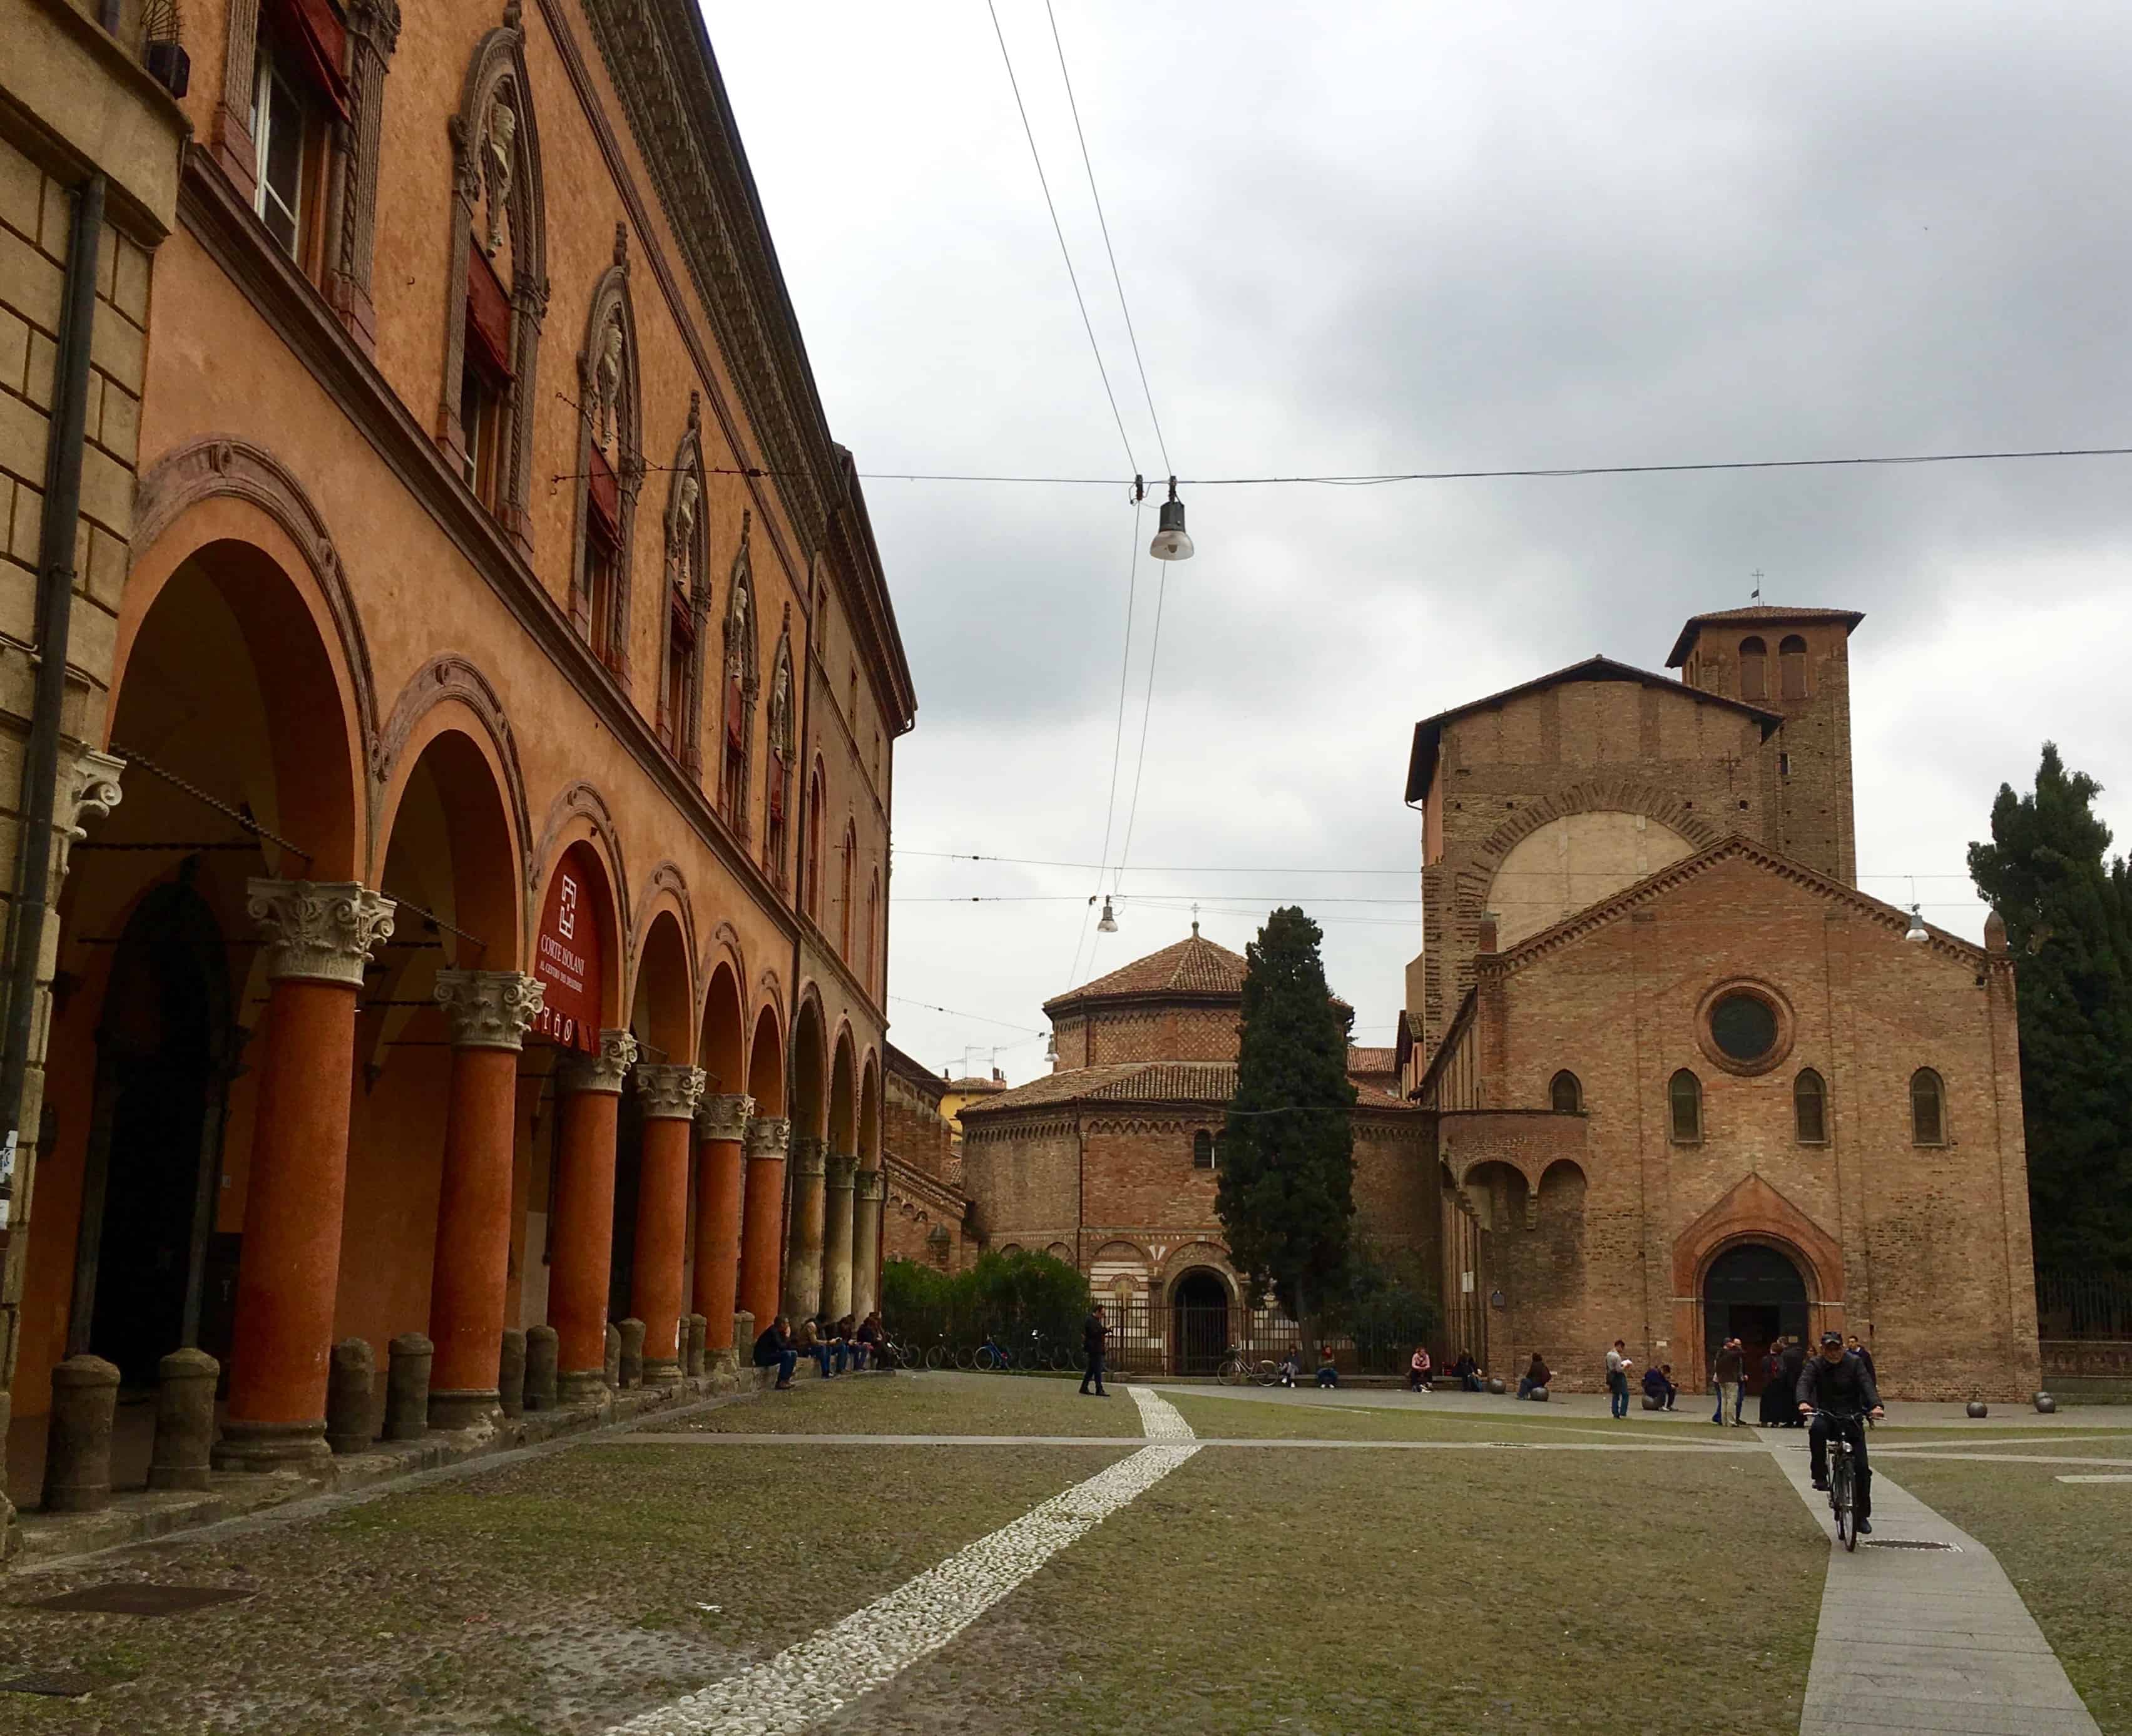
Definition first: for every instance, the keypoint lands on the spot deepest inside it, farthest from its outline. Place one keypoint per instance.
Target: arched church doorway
(1753, 1292)
(163, 1046)
(1199, 1310)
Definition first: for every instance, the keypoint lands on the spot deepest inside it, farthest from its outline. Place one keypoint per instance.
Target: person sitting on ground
(774, 1349)
(813, 1344)
(1417, 1371)
(1537, 1374)
(872, 1342)
(1291, 1365)
(1468, 1371)
(1328, 1374)
(1657, 1384)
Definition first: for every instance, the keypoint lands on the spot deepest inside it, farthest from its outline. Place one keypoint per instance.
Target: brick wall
(1135, 1033)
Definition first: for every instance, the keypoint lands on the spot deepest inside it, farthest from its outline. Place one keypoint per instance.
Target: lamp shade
(1171, 543)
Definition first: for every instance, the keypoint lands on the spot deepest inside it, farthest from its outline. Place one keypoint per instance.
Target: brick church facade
(1683, 1078)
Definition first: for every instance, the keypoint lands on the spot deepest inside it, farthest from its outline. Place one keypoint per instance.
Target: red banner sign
(566, 954)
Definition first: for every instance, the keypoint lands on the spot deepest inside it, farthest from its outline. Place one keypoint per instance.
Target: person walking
(1730, 1370)
(1094, 1335)
(1789, 1367)
(1618, 1365)
(1864, 1356)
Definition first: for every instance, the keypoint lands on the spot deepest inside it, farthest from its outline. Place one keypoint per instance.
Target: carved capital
(89, 790)
(724, 1116)
(318, 931)
(488, 1009)
(809, 1155)
(840, 1167)
(868, 1185)
(578, 1071)
(768, 1135)
(669, 1092)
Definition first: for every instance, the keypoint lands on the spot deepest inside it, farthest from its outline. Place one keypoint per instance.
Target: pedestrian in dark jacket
(1657, 1384)
(774, 1349)
(1726, 1375)
(1864, 1355)
(1836, 1390)
(1094, 1333)
(1537, 1374)
(1788, 1367)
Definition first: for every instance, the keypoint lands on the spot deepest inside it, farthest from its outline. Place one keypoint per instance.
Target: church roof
(1194, 966)
(1372, 1060)
(1209, 1084)
(1770, 613)
(1428, 733)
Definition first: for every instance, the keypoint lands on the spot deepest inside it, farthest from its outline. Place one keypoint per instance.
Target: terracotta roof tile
(1194, 966)
(1210, 1083)
(1372, 1060)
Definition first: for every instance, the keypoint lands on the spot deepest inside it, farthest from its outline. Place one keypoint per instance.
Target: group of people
(849, 1342)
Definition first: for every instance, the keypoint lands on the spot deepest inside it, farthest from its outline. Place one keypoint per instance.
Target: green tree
(1285, 1192)
(2067, 908)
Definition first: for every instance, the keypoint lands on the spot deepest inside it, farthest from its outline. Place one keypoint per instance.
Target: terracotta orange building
(489, 925)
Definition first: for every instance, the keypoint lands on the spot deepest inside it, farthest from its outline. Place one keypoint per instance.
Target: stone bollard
(743, 1342)
(1652, 1402)
(1497, 1386)
(543, 1351)
(510, 1372)
(2046, 1404)
(696, 1329)
(407, 1387)
(613, 1357)
(632, 1353)
(185, 1420)
(1539, 1394)
(78, 1446)
(1978, 1408)
(351, 1396)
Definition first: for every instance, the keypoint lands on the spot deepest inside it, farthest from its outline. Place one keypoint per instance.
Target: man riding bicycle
(1836, 1390)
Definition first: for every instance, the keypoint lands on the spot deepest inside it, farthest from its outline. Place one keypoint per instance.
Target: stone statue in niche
(684, 525)
(497, 146)
(736, 636)
(780, 711)
(606, 380)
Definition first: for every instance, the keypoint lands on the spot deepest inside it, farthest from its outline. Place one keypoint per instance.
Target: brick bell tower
(1797, 663)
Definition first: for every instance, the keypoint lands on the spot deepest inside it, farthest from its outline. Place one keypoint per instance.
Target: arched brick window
(610, 467)
(1565, 1095)
(810, 878)
(1927, 1108)
(687, 601)
(1754, 670)
(1810, 1108)
(1202, 1150)
(872, 929)
(777, 798)
(495, 284)
(847, 877)
(1684, 1105)
(1791, 667)
(739, 687)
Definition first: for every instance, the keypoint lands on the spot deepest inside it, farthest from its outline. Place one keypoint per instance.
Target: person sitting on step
(773, 1349)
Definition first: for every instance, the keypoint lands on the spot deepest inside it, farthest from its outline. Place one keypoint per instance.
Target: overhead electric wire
(1147, 710)
(1104, 223)
(982, 1018)
(1223, 869)
(1117, 736)
(1558, 470)
(1064, 253)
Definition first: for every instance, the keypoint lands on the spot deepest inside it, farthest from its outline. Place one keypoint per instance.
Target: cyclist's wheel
(936, 1356)
(1840, 1497)
(1235, 1372)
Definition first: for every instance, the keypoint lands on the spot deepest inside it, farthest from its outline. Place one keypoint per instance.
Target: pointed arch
(810, 885)
(873, 931)
(685, 600)
(783, 758)
(848, 879)
(497, 287)
(738, 688)
(610, 466)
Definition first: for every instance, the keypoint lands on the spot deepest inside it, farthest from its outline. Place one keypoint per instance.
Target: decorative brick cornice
(318, 932)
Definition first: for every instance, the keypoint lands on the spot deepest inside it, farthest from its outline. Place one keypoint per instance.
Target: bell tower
(1795, 662)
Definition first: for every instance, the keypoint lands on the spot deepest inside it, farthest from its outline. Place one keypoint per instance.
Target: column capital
(578, 1071)
(841, 1167)
(868, 1185)
(723, 1116)
(669, 1090)
(768, 1135)
(489, 1009)
(809, 1154)
(318, 931)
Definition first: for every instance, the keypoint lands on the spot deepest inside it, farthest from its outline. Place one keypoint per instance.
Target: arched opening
(1753, 1292)
(843, 1099)
(1199, 1314)
(659, 1020)
(809, 1103)
(1791, 667)
(1754, 670)
(1810, 1108)
(766, 1065)
(1684, 1108)
(1927, 1108)
(1565, 1096)
(1202, 1150)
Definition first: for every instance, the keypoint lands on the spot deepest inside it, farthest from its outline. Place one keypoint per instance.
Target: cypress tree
(1286, 1193)
(2068, 915)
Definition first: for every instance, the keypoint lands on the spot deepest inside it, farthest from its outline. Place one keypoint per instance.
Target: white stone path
(1917, 1641)
(871, 1646)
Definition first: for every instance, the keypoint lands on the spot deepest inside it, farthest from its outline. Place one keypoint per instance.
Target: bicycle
(1238, 1370)
(1842, 1480)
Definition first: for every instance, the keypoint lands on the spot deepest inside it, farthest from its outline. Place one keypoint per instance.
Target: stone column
(721, 1182)
(866, 1243)
(837, 1236)
(803, 1255)
(488, 1014)
(590, 1088)
(762, 1219)
(669, 1094)
(318, 937)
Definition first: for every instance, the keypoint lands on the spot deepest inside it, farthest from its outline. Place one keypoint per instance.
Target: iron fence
(2084, 1305)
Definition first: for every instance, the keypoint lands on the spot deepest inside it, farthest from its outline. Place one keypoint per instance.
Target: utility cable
(1086, 324)
(956, 1012)
(1103, 222)
(1147, 709)
(1117, 735)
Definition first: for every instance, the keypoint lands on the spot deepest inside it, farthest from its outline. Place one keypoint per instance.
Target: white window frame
(269, 73)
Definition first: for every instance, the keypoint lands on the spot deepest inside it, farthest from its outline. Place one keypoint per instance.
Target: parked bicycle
(1239, 1370)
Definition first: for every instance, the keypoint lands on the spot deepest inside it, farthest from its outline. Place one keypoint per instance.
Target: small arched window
(1791, 667)
(1565, 1096)
(1754, 670)
(1927, 1108)
(850, 850)
(872, 928)
(810, 877)
(1810, 1108)
(1684, 1099)
(1202, 1150)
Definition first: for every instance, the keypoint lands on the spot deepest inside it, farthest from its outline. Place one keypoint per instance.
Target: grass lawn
(2065, 1546)
(924, 1404)
(1239, 1416)
(1354, 1593)
(559, 1595)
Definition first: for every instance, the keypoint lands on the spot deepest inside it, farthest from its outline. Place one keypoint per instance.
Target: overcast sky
(1414, 237)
